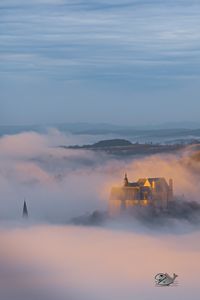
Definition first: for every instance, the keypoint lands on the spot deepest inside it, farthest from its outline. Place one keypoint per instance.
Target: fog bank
(54, 262)
(59, 184)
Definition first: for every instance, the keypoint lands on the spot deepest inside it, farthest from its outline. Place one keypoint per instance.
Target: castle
(155, 192)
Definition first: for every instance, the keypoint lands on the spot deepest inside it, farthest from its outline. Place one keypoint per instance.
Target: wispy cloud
(100, 37)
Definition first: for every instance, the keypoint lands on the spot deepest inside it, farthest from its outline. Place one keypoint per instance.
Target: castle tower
(25, 210)
(125, 180)
(170, 197)
(153, 185)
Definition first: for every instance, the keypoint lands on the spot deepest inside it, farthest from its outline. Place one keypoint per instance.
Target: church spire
(25, 210)
(125, 180)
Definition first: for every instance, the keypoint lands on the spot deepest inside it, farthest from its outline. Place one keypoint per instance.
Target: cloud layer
(57, 183)
(80, 39)
(119, 261)
(95, 264)
(72, 61)
(60, 184)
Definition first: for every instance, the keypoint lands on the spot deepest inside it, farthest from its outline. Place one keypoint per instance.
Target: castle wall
(156, 192)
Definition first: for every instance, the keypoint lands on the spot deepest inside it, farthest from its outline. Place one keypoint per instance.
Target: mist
(56, 182)
(46, 258)
(55, 262)
(59, 184)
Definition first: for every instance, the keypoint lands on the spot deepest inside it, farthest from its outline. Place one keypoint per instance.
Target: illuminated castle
(145, 192)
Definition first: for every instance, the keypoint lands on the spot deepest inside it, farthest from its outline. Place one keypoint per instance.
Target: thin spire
(125, 180)
(25, 210)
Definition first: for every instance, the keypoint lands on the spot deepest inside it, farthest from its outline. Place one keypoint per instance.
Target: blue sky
(127, 62)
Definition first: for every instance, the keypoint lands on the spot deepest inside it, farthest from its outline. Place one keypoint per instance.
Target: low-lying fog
(61, 183)
(58, 261)
(74, 263)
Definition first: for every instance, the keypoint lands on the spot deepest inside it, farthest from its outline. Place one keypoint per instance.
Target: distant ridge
(122, 147)
(112, 143)
(106, 128)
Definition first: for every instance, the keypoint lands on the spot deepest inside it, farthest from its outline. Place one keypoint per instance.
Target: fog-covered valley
(45, 257)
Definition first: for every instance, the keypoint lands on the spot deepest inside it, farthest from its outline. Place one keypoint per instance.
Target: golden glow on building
(144, 192)
(147, 183)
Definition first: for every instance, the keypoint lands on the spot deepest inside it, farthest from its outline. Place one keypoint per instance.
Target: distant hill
(122, 147)
(104, 144)
(175, 133)
(112, 143)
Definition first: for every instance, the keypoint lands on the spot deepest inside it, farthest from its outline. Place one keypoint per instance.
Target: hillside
(121, 147)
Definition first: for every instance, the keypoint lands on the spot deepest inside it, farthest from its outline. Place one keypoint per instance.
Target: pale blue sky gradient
(117, 61)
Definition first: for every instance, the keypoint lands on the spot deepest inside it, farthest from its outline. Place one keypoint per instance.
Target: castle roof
(141, 181)
(151, 179)
(151, 188)
(133, 184)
